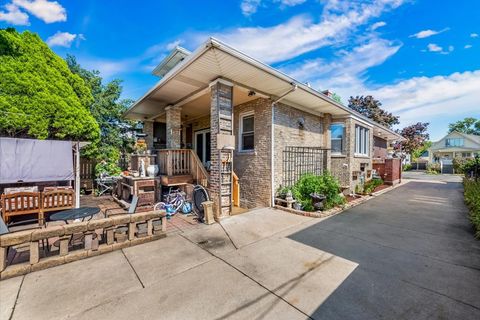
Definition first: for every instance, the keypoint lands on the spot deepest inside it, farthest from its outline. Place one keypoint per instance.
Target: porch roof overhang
(190, 79)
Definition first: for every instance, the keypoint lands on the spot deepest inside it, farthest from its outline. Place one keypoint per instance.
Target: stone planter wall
(113, 233)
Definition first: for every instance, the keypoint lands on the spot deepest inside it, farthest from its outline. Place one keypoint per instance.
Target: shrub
(472, 200)
(325, 184)
(433, 168)
(370, 185)
(282, 192)
(407, 167)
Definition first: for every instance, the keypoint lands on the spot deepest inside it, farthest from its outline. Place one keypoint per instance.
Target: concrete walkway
(407, 254)
(245, 268)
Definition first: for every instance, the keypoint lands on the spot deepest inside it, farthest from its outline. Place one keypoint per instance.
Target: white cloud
(467, 46)
(249, 7)
(290, 3)
(473, 35)
(346, 73)
(301, 34)
(14, 16)
(48, 11)
(172, 45)
(427, 33)
(420, 98)
(63, 39)
(108, 68)
(377, 25)
(432, 47)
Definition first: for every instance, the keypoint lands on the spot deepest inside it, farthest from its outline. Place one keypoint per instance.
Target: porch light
(251, 93)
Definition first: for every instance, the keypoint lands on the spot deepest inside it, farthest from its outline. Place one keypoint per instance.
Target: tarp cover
(30, 160)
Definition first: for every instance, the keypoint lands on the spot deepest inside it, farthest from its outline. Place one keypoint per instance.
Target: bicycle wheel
(200, 195)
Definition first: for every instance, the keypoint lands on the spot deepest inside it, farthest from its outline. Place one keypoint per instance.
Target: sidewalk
(244, 268)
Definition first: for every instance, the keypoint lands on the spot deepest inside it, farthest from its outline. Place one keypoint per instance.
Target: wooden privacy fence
(300, 160)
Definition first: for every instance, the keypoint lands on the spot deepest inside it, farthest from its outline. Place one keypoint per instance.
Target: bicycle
(200, 195)
(175, 201)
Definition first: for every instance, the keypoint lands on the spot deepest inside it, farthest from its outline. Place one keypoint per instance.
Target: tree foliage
(468, 125)
(337, 98)
(39, 96)
(107, 109)
(416, 135)
(370, 108)
(418, 152)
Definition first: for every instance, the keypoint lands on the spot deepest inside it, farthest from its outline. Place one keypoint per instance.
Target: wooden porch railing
(172, 162)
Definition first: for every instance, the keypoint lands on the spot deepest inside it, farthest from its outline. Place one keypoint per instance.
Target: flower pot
(152, 170)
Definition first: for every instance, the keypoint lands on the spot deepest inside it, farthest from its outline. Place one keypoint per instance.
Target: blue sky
(420, 58)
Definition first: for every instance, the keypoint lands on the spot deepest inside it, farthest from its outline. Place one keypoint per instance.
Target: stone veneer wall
(148, 130)
(253, 167)
(344, 166)
(288, 133)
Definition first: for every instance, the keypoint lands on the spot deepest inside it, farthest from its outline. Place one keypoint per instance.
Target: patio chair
(131, 209)
(5, 229)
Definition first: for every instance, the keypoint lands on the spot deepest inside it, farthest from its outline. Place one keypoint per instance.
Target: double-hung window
(362, 141)
(247, 132)
(337, 132)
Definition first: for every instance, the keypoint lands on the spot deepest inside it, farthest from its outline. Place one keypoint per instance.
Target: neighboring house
(245, 119)
(454, 145)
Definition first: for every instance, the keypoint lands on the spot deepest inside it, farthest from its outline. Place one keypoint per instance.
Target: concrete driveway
(416, 254)
(407, 254)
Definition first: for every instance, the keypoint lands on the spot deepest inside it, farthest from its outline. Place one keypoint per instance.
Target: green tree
(418, 152)
(468, 125)
(107, 108)
(370, 108)
(39, 96)
(337, 98)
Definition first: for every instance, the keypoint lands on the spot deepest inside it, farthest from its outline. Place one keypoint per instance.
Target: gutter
(272, 144)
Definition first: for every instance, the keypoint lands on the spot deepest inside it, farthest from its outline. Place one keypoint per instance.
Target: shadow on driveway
(417, 256)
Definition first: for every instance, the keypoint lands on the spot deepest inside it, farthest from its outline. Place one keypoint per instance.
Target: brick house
(246, 120)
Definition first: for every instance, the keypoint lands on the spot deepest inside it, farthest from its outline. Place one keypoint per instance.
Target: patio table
(73, 214)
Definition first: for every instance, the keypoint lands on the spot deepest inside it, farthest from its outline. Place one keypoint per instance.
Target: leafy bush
(407, 167)
(472, 199)
(433, 168)
(370, 185)
(325, 184)
(282, 192)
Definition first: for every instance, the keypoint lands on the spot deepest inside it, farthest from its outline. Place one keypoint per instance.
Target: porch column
(221, 127)
(327, 141)
(173, 127)
(148, 130)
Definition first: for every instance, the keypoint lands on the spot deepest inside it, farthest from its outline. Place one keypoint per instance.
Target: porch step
(176, 180)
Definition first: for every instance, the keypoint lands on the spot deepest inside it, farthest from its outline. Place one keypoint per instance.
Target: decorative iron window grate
(300, 160)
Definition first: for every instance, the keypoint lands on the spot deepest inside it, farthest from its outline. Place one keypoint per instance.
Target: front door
(202, 145)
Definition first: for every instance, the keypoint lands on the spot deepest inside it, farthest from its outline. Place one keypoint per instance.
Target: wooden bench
(24, 203)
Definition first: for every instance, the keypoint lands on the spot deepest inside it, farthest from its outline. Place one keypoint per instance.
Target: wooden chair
(21, 203)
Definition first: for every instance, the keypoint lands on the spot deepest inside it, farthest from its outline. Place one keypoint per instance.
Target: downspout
(272, 145)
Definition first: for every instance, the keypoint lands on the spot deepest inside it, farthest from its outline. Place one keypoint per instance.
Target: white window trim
(240, 131)
(341, 153)
(359, 138)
